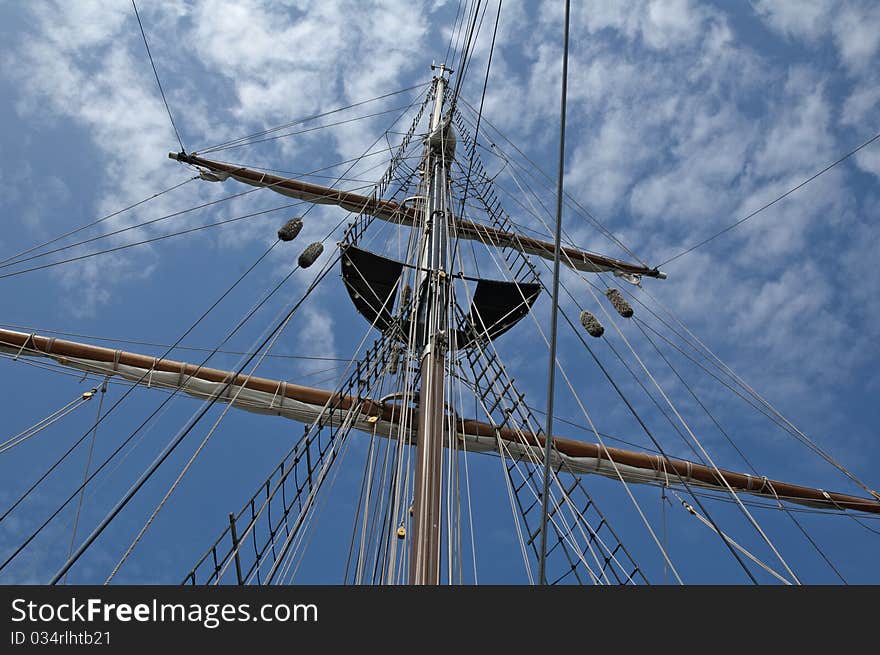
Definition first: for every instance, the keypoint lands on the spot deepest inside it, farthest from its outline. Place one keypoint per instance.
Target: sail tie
(662, 463)
(831, 500)
(274, 396)
(773, 491)
(150, 373)
(23, 344)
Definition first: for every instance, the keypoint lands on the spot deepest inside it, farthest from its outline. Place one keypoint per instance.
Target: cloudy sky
(683, 117)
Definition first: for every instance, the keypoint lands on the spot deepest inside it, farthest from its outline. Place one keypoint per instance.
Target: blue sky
(683, 117)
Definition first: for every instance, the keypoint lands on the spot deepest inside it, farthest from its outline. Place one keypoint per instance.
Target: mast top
(443, 68)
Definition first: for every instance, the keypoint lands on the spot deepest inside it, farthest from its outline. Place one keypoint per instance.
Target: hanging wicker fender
(310, 254)
(591, 324)
(619, 302)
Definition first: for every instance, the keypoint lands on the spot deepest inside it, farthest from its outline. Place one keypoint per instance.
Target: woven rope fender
(591, 324)
(620, 304)
(310, 254)
(290, 229)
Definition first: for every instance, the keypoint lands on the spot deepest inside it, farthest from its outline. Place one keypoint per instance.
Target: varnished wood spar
(690, 471)
(353, 202)
(395, 212)
(59, 349)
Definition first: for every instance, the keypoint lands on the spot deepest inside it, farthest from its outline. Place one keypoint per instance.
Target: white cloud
(869, 161)
(679, 123)
(659, 24)
(861, 105)
(806, 19)
(677, 128)
(857, 36)
(799, 137)
(85, 63)
(289, 61)
(852, 26)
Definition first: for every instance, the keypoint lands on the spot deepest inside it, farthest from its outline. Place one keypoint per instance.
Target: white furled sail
(308, 404)
(394, 212)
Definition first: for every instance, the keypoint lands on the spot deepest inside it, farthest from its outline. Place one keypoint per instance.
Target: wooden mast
(432, 338)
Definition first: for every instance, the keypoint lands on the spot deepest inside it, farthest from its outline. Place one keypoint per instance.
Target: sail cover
(498, 305)
(371, 281)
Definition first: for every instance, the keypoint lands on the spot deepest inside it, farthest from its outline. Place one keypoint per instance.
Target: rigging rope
(455, 31)
(7, 262)
(554, 315)
(641, 422)
(774, 506)
(467, 180)
(185, 431)
(173, 445)
(560, 419)
(156, 73)
(705, 453)
(730, 440)
(464, 56)
(745, 552)
(82, 493)
(346, 424)
(508, 384)
(117, 404)
(310, 129)
(506, 271)
(299, 121)
(300, 542)
(197, 451)
(362, 502)
(819, 550)
(3, 262)
(467, 481)
(312, 173)
(790, 427)
(772, 202)
(594, 429)
(513, 510)
(536, 494)
(548, 180)
(121, 230)
(691, 434)
(656, 445)
(44, 423)
(154, 239)
(166, 346)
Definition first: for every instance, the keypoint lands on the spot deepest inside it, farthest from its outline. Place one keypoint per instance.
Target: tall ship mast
(443, 277)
